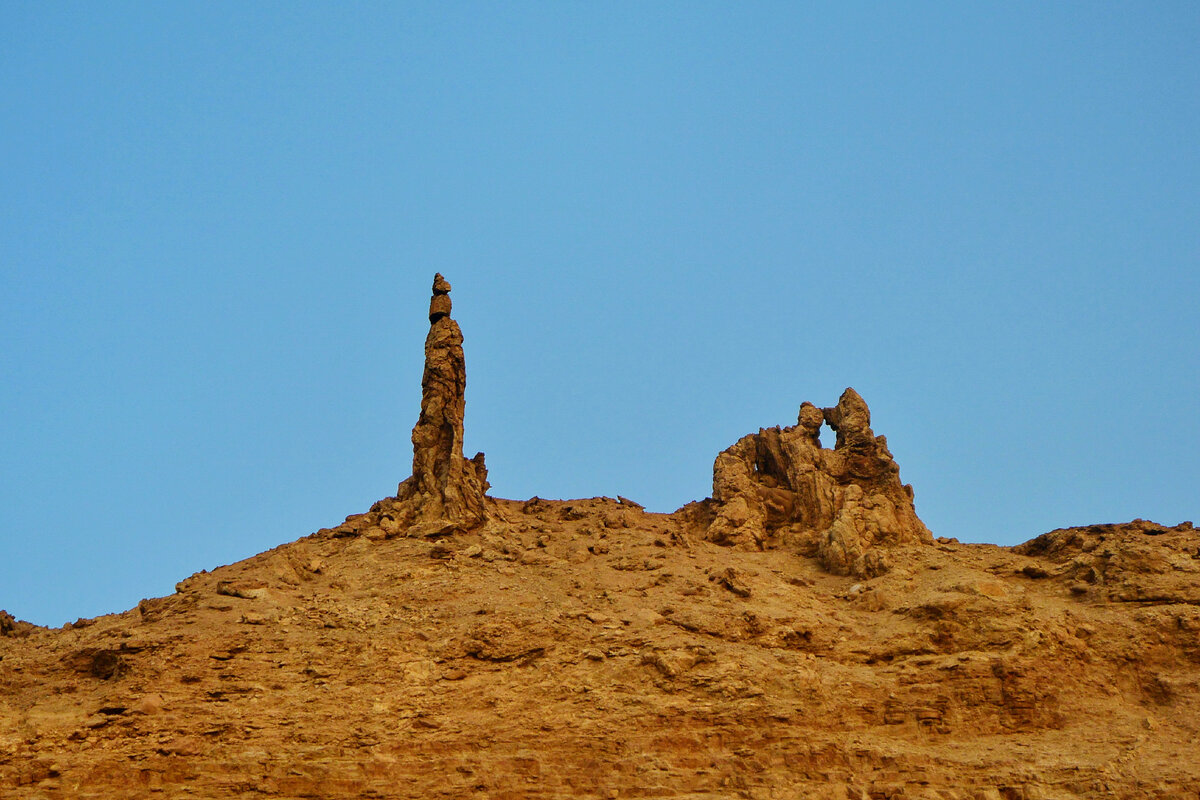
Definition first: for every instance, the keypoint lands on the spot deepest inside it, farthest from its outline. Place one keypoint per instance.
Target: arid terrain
(798, 635)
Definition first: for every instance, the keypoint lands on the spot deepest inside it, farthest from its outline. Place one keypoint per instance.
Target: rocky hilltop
(800, 634)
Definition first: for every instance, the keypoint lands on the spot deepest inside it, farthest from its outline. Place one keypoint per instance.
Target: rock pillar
(447, 489)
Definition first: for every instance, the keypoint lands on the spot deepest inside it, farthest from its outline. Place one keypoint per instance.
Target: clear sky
(666, 224)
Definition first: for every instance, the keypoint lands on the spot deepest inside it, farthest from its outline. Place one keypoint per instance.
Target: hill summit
(798, 634)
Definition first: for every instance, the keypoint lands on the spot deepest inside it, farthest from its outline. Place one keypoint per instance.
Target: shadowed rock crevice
(780, 485)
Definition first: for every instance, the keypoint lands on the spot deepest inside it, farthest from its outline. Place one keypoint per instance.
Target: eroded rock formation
(570, 644)
(11, 626)
(840, 503)
(446, 489)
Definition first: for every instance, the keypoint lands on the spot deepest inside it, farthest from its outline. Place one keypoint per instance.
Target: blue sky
(667, 224)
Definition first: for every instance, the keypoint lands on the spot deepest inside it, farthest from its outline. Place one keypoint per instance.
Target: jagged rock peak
(850, 420)
(780, 487)
(446, 490)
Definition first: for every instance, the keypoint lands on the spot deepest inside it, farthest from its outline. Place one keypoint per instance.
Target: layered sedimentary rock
(446, 489)
(841, 503)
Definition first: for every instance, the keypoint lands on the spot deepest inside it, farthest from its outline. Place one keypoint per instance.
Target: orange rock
(589, 648)
(842, 503)
(445, 488)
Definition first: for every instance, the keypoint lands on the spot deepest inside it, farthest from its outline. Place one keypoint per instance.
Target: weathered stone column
(447, 488)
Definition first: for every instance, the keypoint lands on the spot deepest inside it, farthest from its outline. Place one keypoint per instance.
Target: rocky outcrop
(840, 503)
(446, 489)
(11, 626)
(1139, 561)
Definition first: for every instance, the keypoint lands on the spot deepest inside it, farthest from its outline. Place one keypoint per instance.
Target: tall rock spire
(447, 489)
